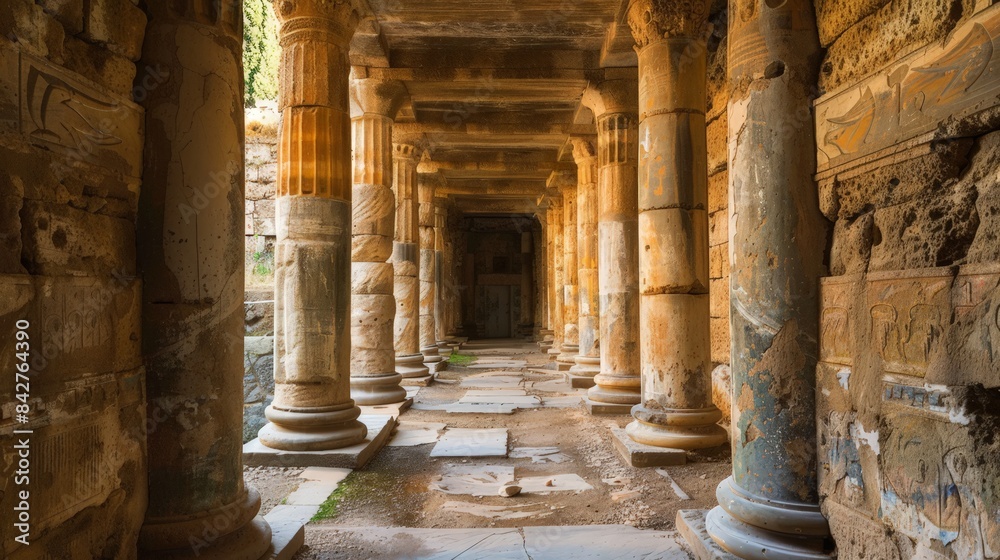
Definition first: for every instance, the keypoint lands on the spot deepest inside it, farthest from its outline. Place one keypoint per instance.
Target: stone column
(440, 273)
(527, 313)
(542, 328)
(614, 103)
(557, 311)
(676, 409)
(191, 263)
(312, 408)
(588, 361)
(428, 270)
(374, 379)
(769, 508)
(406, 262)
(571, 302)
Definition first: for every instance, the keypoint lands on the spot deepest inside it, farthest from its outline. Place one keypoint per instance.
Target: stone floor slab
(291, 514)
(325, 474)
(691, 525)
(481, 408)
(497, 382)
(568, 401)
(473, 480)
(438, 544)
(522, 401)
(596, 542)
(287, 537)
(553, 483)
(512, 511)
(640, 455)
(471, 442)
(311, 493)
(540, 454)
(410, 433)
(256, 454)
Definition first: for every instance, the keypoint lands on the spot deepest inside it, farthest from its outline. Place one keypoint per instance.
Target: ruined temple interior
(676, 279)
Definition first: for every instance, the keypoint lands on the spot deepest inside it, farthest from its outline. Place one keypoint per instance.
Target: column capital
(561, 180)
(338, 18)
(375, 96)
(652, 21)
(585, 156)
(408, 145)
(613, 95)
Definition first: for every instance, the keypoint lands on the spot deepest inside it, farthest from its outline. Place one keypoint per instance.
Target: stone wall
(258, 382)
(718, 189)
(71, 142)
(909, 373)
(261, 177)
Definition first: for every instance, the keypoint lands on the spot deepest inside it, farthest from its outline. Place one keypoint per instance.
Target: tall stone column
(406, 262)
(571, 301)
(769, 508)
(541, 241)
(191, 263)
(676, 409)
(440, 273)
(312, 408)
(426, 184)
(588, 361)
(374, 379)
(557, 311)
(527, 312)
(614, 103)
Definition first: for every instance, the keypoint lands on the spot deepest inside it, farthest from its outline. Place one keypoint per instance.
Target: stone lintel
(691, 525)
(256, 454)
(640, 455)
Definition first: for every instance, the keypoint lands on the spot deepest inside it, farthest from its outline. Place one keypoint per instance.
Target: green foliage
(346, 488)
(460, 359)
(260, 51)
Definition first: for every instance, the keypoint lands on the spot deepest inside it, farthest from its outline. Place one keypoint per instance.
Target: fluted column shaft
(769, 507)
(406, 264)
(676, 409)
(374, 379)
(556, 293)
(588, 361)
(571, 299)
(614, 106)
(192, 273)
(312, 406)
(428, 269)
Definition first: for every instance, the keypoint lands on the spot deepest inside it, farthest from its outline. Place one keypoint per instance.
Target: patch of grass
(460, 360)
(328, 509)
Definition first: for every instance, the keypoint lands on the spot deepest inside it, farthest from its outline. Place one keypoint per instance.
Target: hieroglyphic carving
(835, 321)
(913, 95)
(66, 113)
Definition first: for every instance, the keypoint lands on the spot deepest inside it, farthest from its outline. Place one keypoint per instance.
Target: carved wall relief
(911, 97)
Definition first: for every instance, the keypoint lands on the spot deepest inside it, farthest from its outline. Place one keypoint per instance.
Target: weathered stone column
(374, 379)
(191, 260)
(571, 301)
(312, 408)
(406, 262)
(588, 361)
(440, 272)
(554, 219)
(614, 103)
(769, 508)
(676, 409)
(540, 241)
(426, 184)
(527, 312)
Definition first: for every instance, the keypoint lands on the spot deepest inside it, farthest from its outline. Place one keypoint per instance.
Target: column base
(202, 536)
(431, 355)
(616, 390)
(795, 531)
(411, 366)
(312, 429)
(588, 366)
(677, 428)
(379, 428)
(371, 391)
(691, 525)
(568, 353)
